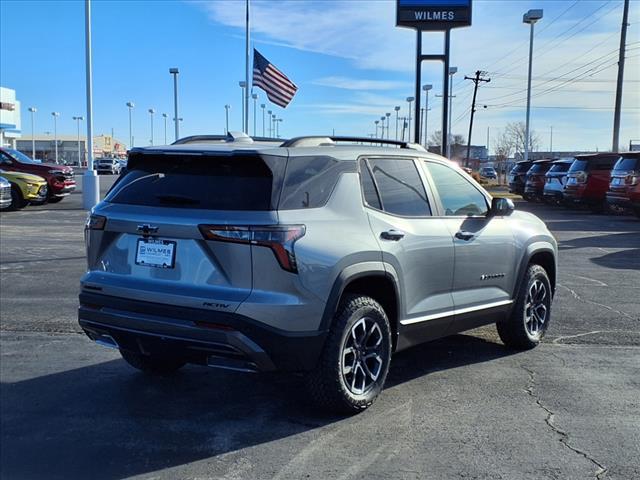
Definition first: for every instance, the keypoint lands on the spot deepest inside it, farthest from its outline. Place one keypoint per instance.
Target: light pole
(409, 100)
(131, 106)
(273, 122)
(78, 120)
(397, 109)
(174, 71)
(226, 118)
(33, 138)
(151, 112)
(376, 122)
(90, 181)
(55, 133)
(426, 89)
(388, 114)
(531, 17)
(382, 122)
(255, 100)
(164, 116)
(452, 72)
(262, 106)
(243, 85)
(269, 112)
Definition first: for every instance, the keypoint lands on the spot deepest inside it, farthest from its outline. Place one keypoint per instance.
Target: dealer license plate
(156, 253)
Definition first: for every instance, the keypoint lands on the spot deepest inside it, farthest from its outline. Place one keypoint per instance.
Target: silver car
(317, 254)
(109, 166)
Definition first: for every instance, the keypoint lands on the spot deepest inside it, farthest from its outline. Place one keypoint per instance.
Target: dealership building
(70, 147)
(10, 125)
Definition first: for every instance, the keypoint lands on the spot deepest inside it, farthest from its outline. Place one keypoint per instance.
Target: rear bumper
(199, 336)
(516, 187)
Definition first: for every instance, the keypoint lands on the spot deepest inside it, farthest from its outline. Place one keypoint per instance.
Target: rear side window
(400, 187)
(235, 182)
(539, 168)
(368, 187)
(579, 166)
(458, 196)
(521, 167)
(309, 181)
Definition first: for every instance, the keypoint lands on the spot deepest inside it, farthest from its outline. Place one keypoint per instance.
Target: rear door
(415, 244)
(165, 221)
(485, 256)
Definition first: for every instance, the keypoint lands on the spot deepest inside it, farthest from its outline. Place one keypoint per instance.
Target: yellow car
(25, 189)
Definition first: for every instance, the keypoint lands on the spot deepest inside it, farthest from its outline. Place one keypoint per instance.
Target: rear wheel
(355, 361)
(17, 200)
(155, 365)
(529, 319)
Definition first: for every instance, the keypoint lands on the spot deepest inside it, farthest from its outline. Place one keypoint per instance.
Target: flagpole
(247, 89)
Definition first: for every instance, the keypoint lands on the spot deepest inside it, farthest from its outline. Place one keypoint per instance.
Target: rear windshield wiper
(177, 199)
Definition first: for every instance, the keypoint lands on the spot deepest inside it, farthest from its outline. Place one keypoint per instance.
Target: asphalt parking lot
(461, 407)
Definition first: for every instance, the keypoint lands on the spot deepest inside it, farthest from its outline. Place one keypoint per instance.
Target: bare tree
(457, 141)
(503, 146)
(515, 132)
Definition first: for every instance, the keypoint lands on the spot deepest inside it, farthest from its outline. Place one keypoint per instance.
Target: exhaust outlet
(106, 341)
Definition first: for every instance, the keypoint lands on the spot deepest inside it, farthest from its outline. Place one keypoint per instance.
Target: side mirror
(501, 207)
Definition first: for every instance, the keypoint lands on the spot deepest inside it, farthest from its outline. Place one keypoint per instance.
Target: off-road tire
(17, 200)
(513, 331)
(152, 364)
(326, 383)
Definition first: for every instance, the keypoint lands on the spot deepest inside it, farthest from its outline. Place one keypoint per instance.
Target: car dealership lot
(459, 407)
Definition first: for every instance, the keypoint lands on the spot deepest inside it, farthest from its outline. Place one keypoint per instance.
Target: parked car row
(32, 182)
(596, 181)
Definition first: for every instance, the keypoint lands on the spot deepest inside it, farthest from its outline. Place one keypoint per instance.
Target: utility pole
(623, 41)
(476, 81)
(551, 141)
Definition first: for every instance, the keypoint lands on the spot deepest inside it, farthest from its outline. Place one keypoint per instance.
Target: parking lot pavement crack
(602, 305)
(563, 437)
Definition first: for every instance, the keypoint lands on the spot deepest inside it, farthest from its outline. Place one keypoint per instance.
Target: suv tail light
(280, 239)
(581, 177)
(95, 222)
(632, 179)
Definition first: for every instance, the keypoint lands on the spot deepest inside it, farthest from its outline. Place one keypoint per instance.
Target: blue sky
(350, 62)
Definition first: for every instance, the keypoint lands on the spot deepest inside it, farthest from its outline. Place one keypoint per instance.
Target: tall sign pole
(616, 116)
(439, 16)
(90, 182)
(245, 126)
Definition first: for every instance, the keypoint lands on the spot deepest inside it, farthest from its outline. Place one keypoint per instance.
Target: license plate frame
(156, 259)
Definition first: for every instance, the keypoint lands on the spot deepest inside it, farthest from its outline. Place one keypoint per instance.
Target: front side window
(400, 187)
(459, 197)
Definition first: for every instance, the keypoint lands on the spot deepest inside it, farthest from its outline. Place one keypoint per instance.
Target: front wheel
(17, 200)
(529, 319)
(355, 361)
(152, 364)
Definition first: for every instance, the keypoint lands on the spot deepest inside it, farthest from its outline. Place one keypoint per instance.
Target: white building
(10, 126)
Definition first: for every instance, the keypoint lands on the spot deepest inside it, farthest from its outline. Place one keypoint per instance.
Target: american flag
(280, 90)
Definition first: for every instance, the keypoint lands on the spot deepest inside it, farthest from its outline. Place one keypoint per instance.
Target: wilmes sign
(435, 15)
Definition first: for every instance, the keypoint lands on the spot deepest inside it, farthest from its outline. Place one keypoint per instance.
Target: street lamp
(151, 112)
(55, 132)
(397, 109)
(273, 123)
(33, 138)
(164, 116)
(531, 17)
(376, 122)
(409, 100)
(243, 85)
(262, 106)
(174, 71)
(382, 122)
(269, 112)
(226, 118)
(131, 106)
(255, 99)
(426, 89)
(452, 72)
(388, 114)
(79, 119)
(278, 121)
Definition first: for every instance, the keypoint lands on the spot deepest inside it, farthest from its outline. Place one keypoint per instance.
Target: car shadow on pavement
(609, 240)
(108, 421)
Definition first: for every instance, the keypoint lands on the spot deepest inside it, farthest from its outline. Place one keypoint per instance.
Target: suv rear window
(594, 163)
(230, 182)
(627, 164)
(521, 167)
(539, 168)
(560, 167)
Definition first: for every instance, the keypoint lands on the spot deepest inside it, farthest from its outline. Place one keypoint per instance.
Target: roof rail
(318, 141)
(231, 137)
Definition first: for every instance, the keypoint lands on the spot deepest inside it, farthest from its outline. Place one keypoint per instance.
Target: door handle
(464, 235)
(392, 235)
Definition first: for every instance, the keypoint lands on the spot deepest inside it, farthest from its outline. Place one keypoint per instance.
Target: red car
(588, 180)
(60, 178)
(624, 189)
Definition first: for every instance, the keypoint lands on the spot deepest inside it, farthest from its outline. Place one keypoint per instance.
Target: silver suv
(317, 254)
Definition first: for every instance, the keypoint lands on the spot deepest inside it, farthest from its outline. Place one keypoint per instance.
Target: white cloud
(347, 83)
